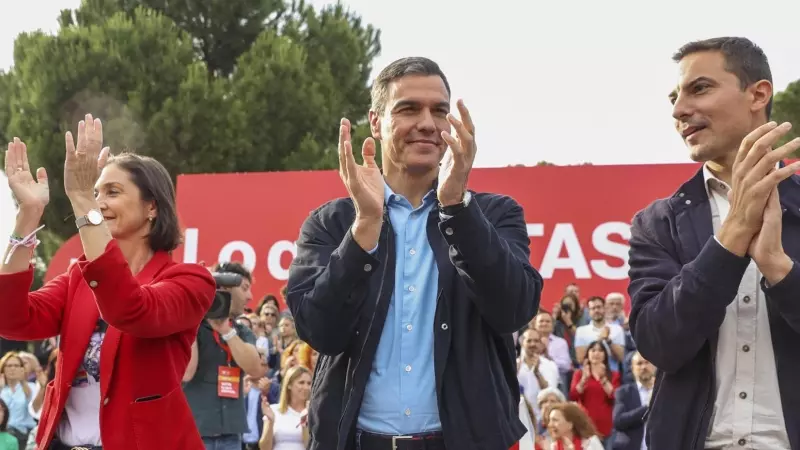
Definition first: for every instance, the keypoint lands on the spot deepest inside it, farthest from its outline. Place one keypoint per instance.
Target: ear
(761, 91)
(152, 211)
(375, 124)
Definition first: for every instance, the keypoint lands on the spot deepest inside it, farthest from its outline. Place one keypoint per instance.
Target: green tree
(786, 108)
(160, 93)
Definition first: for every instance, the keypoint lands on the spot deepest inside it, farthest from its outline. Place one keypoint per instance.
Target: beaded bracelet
(28, 241)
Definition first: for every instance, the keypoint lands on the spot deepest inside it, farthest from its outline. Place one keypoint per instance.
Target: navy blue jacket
(681, 281)
(628, 418)
(339, 295)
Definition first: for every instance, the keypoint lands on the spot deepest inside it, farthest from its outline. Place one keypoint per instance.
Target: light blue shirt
(18, 415)
(400, 397)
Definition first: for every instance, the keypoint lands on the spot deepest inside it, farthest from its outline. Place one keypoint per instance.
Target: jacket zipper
(699, 431)
(371, 320)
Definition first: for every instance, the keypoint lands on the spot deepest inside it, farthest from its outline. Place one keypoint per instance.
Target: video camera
(221, 306)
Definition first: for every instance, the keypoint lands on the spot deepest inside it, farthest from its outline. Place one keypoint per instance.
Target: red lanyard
(224, 346)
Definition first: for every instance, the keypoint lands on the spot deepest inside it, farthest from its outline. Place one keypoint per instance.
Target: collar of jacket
(693, 192)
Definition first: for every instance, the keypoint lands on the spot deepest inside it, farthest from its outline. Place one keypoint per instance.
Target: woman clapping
(126, 313)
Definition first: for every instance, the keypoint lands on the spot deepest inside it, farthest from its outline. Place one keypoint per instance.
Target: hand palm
(27, 190)
(370, 188)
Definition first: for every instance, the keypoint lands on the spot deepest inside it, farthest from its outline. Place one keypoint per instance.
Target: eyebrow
(109, 184)
(674, 94)
(413, 103)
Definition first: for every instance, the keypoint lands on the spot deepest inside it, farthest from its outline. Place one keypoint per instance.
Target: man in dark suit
(714, 271)
(630, 406)
(412, 287)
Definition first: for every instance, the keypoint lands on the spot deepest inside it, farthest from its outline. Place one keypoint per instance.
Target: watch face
(95, 217)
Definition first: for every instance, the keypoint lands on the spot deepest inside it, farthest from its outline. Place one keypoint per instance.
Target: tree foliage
(202, 85)
(786, 108)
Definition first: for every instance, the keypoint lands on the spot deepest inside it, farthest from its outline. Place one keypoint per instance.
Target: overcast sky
(563, 81)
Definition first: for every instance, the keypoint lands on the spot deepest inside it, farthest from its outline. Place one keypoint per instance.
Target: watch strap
(452, 210)
(82, 221)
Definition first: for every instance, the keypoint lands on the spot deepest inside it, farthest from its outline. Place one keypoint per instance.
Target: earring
(150, 219)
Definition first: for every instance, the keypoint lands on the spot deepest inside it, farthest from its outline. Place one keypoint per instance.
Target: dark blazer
(339, 295)
(628, 418)
(152, 319)
(681, 281)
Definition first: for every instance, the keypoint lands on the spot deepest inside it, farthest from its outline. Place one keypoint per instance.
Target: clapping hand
(31, 194)
(755, 220)
(365, 184)
(458, 159)
(85, 161)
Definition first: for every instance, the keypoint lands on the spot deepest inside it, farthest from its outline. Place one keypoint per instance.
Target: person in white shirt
(611, 335)
(285, 426)
(534, 371)
(557, 348)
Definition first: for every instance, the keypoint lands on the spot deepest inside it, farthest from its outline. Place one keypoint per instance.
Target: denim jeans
(224, 442)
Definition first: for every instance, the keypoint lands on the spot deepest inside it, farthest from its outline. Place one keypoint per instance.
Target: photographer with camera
(223, 353)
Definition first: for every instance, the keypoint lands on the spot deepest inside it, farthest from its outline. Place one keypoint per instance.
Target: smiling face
(410, 126)
(126, 214)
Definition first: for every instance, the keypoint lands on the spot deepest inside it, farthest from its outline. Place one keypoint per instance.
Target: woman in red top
(593, 387)
(126, 313)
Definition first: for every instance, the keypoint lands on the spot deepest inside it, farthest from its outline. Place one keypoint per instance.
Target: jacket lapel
(111, 340)
(693, 221)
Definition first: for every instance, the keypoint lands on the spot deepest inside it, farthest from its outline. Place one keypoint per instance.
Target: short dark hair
(596, 299)
(156, 186)
(743, 58)
(414, 65)
(234, 267)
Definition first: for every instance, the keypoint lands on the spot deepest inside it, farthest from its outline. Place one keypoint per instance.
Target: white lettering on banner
(274, 259)
(190, 238)
(565, 238)
(247, 251)
(608, 247)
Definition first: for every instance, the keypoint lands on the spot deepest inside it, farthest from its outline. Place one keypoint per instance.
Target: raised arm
(176, 301)
(677, 308)
(493, 260)
(27, 315)
(328, 282)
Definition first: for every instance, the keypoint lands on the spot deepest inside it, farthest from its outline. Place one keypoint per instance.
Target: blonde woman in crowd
(17, 393)
(285, 426)
(546, 399)
(571, 428)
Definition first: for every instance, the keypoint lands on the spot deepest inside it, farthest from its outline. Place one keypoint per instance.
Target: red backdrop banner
(578, 219)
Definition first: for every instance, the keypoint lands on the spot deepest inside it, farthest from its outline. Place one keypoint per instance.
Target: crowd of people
(577, 367)
(414, 318)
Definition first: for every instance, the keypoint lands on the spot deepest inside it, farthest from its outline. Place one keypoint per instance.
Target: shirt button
(412, 288)
(93, 284)
(412, 252)
(742, 442)
(742, 395)
(408, 368)
(409, 327)
(746, 299)
(448, 231)
(367, 267)
(408, 412)
(745, 348)
(444, 326)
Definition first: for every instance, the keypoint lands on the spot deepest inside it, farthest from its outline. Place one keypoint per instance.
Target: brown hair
(582, 425)
(155, 185)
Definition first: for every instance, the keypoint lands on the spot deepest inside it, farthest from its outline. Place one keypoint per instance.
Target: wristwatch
(93, 217)
(452, 210)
